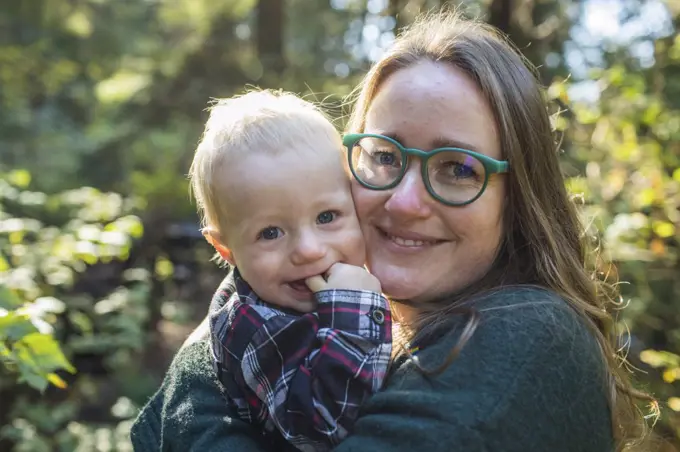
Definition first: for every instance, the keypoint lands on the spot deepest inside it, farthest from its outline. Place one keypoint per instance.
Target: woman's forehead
(432, 105)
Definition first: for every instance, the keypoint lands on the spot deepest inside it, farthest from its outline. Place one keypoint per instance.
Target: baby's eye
(270, 233)
(326, 217)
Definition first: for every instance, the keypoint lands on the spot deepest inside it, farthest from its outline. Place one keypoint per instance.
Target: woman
(505, 340)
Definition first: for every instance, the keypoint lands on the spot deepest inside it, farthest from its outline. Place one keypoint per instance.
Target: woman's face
(418, 248)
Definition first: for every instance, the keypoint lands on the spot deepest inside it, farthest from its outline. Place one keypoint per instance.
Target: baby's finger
(336, 269)
(316, 283)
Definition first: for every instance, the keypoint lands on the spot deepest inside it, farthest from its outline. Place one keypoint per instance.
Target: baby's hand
(344, 276)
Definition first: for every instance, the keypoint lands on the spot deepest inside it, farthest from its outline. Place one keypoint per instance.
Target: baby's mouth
(299, 286)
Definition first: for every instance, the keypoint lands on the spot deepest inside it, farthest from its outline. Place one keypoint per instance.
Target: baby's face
(291, 216)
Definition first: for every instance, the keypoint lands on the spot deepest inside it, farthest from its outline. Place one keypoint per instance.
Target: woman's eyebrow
(392, 135)
(440, 142)
(445, 142)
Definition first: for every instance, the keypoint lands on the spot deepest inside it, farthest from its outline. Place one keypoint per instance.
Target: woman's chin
(390, 282)
(398, 289)
(397, 294)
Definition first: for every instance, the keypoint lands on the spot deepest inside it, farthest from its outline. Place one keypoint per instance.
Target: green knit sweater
(530, 379)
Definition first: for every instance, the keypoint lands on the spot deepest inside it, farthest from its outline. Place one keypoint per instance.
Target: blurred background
(103, 272)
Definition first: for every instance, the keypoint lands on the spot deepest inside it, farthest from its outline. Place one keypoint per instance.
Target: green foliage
(27, 346)
(46, 243)
(34, 355)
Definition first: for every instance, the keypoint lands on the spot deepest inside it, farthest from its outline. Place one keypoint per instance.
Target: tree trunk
(500, 12)
(270, 20)
(395, 8)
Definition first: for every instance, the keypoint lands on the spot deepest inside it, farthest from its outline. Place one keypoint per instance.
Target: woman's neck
(403, 314)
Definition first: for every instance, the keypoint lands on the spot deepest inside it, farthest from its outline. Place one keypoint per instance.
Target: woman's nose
(410, 198)
(309, 248)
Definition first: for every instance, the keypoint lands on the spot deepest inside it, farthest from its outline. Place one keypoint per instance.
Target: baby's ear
(215, 239)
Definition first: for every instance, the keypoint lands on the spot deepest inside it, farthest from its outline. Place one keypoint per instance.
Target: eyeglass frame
(491, 165)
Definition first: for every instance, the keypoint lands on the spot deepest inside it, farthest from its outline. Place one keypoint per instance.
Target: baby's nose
(309, 248)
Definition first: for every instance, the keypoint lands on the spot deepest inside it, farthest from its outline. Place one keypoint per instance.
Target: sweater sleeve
(189, 412)
(530, 379)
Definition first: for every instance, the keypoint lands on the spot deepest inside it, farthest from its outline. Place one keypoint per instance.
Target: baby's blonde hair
(257, 121)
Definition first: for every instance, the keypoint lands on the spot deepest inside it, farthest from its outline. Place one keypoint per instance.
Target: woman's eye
(326, 217)
(270, 233)
(462, 171)
(385, 158)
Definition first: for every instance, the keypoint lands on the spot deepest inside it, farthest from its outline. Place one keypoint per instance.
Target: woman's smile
(407, 240)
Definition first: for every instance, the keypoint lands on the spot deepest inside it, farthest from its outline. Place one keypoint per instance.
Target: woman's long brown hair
(544, 242)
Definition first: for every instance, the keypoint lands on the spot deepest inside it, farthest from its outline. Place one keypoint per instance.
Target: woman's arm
(202, 332)
(530, 379)
(189, 412)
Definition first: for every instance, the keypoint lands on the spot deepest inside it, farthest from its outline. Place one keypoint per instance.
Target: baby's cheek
(355, 248)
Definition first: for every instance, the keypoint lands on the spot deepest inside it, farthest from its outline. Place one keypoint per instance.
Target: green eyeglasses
(452, 176)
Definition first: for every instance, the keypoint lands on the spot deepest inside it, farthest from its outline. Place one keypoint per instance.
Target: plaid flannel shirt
(305, 375)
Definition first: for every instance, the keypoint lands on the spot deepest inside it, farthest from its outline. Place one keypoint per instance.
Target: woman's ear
(215, 239)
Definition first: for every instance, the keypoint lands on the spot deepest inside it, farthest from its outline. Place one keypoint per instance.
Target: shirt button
(378, 316)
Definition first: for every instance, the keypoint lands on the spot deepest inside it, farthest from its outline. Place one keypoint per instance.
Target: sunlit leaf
(121, 86)
(163, 268)
(577, 186)
(674, 403)
(49, 304)
(87, 251)
(123, 408)
(674, 52)
(16, 237)
(560, 123)
(646, 197)
(81, 321)
(56, 381)
(8, 298)
(129, 224)
(15, 327)
(32, 198)
(89, 232)
(656, 358)
(558, 90)
(670, 375)
(664, 229)
(587, 115)
(116, 238)
(79, 24)
(625, 151)
(45, 352)
(20, 178)
(652, 113)
(616, 75)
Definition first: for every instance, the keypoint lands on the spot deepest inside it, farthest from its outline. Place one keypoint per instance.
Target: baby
(300, 333)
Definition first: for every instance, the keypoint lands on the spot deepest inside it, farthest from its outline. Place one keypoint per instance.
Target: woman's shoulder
(191, 365)
(527, 343)
(520, 296)
(544, 309)
(529, 324)
(530, 314)
(518, 319)
(530, 373)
